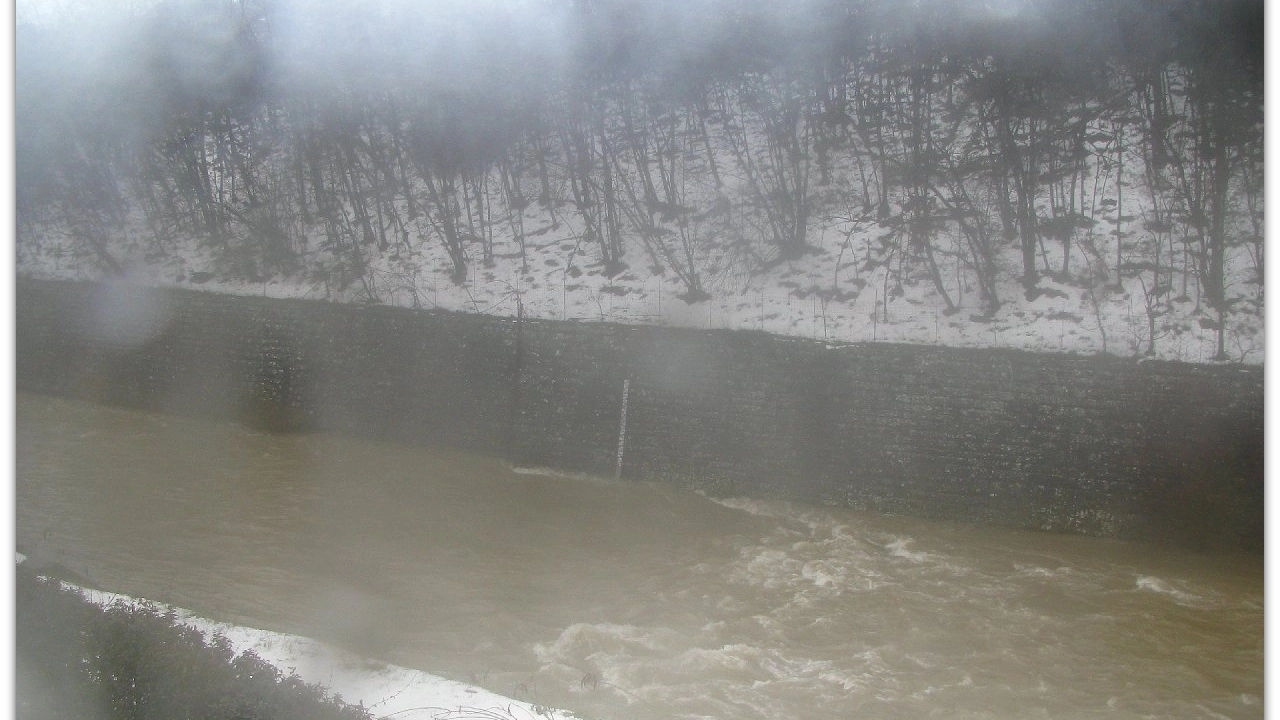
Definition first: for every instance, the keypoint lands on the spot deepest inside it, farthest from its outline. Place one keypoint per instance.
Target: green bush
(132, 661)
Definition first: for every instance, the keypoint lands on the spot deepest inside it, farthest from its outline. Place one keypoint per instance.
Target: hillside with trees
(1064, 175)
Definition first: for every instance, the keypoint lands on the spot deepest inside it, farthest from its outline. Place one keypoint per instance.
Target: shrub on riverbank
(77, 659)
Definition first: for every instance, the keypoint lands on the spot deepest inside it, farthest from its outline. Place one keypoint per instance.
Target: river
(631, 601)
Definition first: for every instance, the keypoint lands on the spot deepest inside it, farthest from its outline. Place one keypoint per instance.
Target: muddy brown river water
(624, 601)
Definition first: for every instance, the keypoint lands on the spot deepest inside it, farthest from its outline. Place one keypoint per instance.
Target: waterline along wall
(1096, 445)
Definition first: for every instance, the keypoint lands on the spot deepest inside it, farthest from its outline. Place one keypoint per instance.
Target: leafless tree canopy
(298, 137)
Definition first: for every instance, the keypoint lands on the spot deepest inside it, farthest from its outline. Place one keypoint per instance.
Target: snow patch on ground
(386, 691)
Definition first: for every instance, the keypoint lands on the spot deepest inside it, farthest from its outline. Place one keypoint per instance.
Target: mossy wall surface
(1104, 446)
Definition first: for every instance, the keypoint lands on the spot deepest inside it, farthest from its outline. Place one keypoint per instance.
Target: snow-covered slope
(832, 295)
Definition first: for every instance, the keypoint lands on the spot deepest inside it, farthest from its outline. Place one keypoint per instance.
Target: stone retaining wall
(1097, 445)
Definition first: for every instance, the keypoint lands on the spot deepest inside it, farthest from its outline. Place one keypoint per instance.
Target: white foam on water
(1044, 572)
(899, 548)
(728, 658)
(812, 553)
(767, 568)
(543, 472)
(586, 638)
(866, 671)
(754, 506)
(1154, 584)
(821, 573)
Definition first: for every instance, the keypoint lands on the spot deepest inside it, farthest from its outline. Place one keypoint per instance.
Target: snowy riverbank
(386, 691)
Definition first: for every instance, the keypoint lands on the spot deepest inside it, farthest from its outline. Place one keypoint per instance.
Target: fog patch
(127, 317)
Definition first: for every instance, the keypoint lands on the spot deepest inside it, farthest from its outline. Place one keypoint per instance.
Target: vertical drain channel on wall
(513, 410)
(622, 429)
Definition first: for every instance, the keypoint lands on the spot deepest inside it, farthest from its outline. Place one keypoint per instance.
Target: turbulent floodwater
(623, 600)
